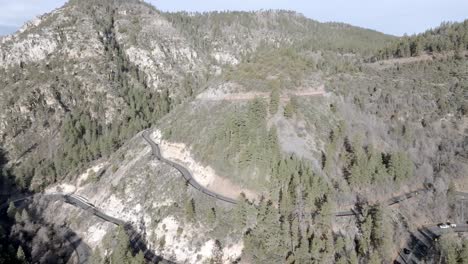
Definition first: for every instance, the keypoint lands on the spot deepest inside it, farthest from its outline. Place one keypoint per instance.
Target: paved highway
(137, 241)
(83, 252)
(425, 238)
(187, 175)
(156, 151)
(389, 202)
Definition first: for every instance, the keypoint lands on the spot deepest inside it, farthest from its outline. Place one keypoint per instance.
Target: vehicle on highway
(443, 226)
(451, 225)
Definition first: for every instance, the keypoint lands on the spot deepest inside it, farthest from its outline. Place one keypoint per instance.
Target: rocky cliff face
(109, 62)
(238, 98)
(152, 196)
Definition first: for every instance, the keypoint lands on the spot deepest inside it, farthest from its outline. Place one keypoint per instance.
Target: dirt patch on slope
(205, 175)
(226, 95)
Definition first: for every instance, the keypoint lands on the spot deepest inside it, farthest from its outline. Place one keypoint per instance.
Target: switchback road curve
(187, 175)
(137, 241)
(156, 151)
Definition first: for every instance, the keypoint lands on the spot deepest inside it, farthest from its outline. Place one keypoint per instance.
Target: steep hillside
(278, 112)
(80, 81)
(448, 37)
(235, 34)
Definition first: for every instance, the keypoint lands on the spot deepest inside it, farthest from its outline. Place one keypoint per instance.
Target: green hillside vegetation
(446, 37)
(269, 67)
(235, 141)
(284, 26)
(379, 130)
(87, 135)
(419, 109)
(294, 224)
(118, 243)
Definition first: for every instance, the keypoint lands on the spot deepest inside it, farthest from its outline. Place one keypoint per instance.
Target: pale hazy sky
(389, 16)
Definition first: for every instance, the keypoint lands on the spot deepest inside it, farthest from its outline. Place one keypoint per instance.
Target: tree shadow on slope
(138, 244)
(25, 236)
(418, 248)
(40, 240)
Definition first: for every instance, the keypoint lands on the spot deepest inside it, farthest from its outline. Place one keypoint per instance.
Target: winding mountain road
(138, 243)
(156, 151)
(187, 175)
(83, 252)
(389, 202)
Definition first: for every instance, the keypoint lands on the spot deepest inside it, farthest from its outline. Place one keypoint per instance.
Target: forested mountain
(295, 119)
(445, 38)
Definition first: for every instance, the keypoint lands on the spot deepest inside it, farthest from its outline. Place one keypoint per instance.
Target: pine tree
(240, 212)
(365, 239)
(353, 258)
(96, 257)
(382, 233)
(21, 256)
(190, 209)
(375, 258)
(274, 100)
(211, 216)
(11, 211)
(464, 253)
(217, 253)
(289, 109)
(121, 249)
(400, 167)
(138, 259)
(448, 249)
(302, 252)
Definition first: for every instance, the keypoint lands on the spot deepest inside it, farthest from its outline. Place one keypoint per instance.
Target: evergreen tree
(400, 167)
(365, 238)
(375, 258)
(463, 259)
(240, 212)
(274, 100)
(190, 209)
(382, 233)
(448, 249)
(11, 211)
(289, 109)
(217, 253)
(20, 256)
(121, 249)
(212, 216)
(138, 259)
(96, 257)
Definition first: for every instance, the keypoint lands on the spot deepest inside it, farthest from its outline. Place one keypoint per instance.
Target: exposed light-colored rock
(205, 175)
(225, 58)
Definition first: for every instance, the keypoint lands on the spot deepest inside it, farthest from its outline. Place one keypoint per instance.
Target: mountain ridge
(81, 83)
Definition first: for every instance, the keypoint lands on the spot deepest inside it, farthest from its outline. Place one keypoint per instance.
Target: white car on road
(446, 225)
(451, 225)
(443, 226)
